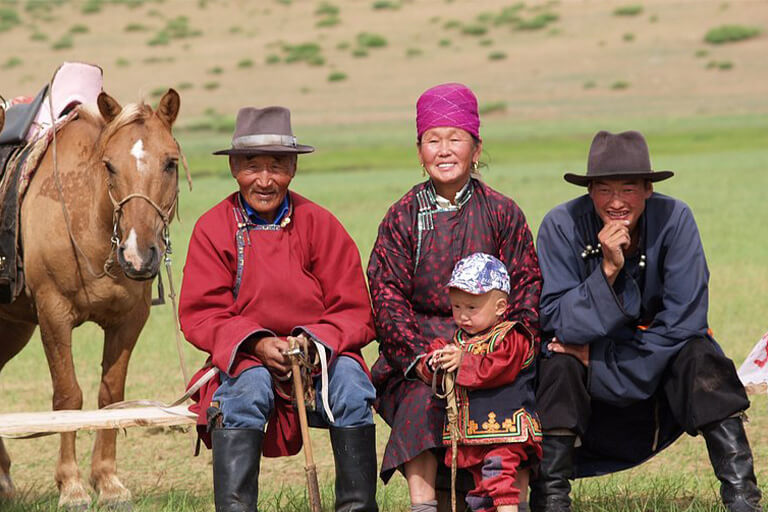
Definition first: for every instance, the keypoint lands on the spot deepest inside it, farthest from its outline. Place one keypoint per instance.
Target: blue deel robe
(634, 329)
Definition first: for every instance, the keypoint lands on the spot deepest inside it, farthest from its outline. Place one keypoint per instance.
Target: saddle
(23, 142)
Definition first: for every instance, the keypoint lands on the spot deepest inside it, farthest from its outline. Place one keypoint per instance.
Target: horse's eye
(110, 168)
(172, 166)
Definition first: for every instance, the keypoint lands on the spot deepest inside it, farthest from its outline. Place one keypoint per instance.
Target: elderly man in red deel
(264, 264)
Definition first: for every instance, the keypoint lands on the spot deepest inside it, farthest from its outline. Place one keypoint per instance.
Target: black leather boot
(236, 461)
(354, 453)
(731, 459)
(551, 488)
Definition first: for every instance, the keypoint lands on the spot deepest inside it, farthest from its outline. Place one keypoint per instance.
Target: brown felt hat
(264, 131)
(618, 155)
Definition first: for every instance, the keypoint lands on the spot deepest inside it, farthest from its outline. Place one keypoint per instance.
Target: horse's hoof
(117, 506)
(113, 495)
(82, 507)
(7, 490)
(73, 497)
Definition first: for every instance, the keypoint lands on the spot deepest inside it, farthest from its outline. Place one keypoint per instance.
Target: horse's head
(141, 159)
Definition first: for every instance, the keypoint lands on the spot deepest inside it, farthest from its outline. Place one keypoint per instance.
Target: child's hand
(449, 358)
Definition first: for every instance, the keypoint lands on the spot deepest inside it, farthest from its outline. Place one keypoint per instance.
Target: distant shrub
(37, 36)
(722, 65)
(42, 6)
(492, 108)
(628, 10)
(628, 37)
(284, 2)
(509, 15)
(730, 33)
(158, 60)
(326, 9)
(91, 7)
(247, 63)
(434, 19)
(359, 52)
(371, 40)
(444, 42)
(653, 18)
(538, 22)
(386, 4)
(497, 56)
(485, 17)
(156, 93)
(235, 29)
(474, 29)
(209, 86)
(178, 28)
(331, 21)
(183, 86)
(272, 59)
(343, 45)
(135, 27)
(12, 62)
(64, 43)
(122, 63)
(9, 18)
(8, 15)
(337, 76)
(451, 24)
(590, 84)
(306, 52)
(78, 29)
(216, 70)
(413, 52)
(161, 39)
(619, 85)
(701, 53)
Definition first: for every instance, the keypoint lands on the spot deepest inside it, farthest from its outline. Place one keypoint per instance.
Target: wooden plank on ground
(19, 423)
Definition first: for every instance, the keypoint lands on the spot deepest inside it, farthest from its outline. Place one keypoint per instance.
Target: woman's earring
(474, 166)
(423, 170)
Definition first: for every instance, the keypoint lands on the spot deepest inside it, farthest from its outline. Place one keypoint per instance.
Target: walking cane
(295, 354)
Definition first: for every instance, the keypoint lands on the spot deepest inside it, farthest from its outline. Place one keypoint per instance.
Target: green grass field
(721, 167)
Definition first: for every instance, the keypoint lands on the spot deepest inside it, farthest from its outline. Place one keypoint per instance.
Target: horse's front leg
(119, 341)
(55, 318)
(6, 484)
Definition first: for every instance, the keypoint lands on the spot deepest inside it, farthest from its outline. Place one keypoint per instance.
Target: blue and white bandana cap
(479, 273)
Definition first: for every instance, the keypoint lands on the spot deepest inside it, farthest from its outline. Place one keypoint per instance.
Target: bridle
(117, 212)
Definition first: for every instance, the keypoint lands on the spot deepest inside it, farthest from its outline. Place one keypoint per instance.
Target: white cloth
(754, 370)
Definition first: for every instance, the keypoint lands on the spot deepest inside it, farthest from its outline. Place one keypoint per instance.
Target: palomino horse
(107, 197)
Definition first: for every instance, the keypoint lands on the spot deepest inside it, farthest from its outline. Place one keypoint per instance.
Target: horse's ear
(2, 118)
(169, 105)
(108, 106)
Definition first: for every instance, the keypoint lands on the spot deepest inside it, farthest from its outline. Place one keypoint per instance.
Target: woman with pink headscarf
(438, 222)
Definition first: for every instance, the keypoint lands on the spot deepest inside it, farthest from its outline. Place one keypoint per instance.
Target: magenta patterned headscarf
(450, 104)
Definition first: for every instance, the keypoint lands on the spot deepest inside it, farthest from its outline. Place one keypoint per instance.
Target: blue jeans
(246, 401)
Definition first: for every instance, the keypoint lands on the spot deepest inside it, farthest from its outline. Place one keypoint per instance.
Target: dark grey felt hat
(264, 131)
(615, 156)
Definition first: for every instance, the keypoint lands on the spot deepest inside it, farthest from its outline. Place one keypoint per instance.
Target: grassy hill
(362, 61)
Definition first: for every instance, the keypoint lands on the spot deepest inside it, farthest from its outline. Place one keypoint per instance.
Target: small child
(494, 361)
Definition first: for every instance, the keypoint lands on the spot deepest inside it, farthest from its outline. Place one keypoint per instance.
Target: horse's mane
(133, 112)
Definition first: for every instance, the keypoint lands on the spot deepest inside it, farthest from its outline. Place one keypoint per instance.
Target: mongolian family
(500, 369)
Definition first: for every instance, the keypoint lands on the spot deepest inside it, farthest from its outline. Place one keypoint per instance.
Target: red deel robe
(305, 277)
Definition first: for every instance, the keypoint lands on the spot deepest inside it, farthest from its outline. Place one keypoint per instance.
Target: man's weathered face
(620, 199)
(263, 180)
